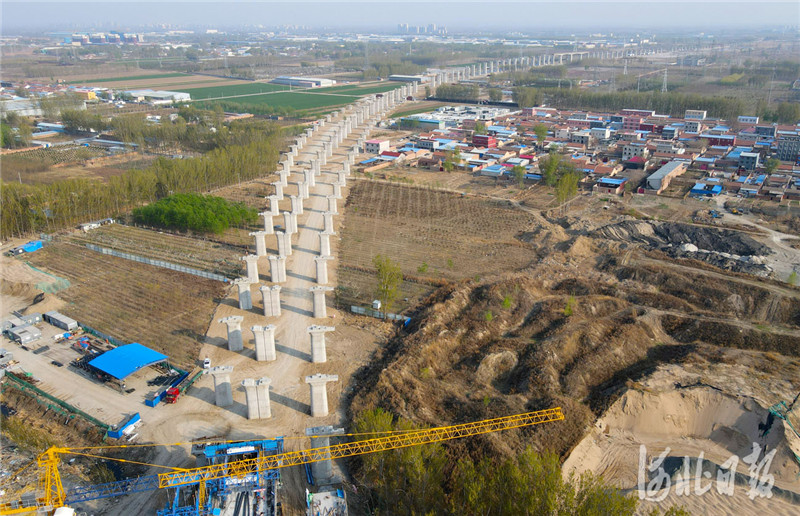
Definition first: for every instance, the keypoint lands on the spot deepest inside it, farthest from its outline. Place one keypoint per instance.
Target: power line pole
(664, 84)
(625, 70)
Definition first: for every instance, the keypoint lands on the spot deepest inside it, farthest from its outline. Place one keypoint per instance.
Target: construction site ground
(195, 416)
(539, 305)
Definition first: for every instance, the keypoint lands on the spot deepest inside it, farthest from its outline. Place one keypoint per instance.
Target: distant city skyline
(530, 16)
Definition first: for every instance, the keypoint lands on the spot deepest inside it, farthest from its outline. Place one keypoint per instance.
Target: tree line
(15, 131)
(247, 154)
(670, 103)
(458, 91)
(428, 480)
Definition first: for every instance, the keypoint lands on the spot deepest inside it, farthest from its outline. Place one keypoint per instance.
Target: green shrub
(568, 310)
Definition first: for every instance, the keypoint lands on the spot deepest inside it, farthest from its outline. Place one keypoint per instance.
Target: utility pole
(625, 70)
(769, 96)
(664, 84)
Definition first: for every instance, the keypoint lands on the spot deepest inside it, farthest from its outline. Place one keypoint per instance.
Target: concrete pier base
(277, 268)
(325, 243)
(320, 309)
(223, 394)
(297, 204)
(271, 297)
(284, 243)
(245, 299)
(261, 245)
(318, 349)
(234, 324)
(319, 393)
(251, 262)
(265, 342)
(273, 205)
(269, 228)
(257, 395)
(332, 204)
(328, 218)
(322, 470)
(321, 263)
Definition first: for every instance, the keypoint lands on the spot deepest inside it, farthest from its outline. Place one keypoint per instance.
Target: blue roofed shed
(121, 362)
(706, 190)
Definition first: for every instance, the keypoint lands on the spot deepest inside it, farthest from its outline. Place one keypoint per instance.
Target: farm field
(45, 166)
(293, 100)
(195, 252)
(422, 107)
(531, 195)
(278, 96)
(239, 88)
(433, 235)
(131, 78)
(174, 81)
(163, 309)
(353, 89)
(358, 287)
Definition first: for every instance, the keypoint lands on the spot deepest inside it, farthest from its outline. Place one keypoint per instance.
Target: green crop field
(294, 100)
(279, 96)
(351, 89)
(133, 78)
(233, 90)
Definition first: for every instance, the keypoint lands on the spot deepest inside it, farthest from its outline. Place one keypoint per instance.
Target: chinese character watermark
(655, 481)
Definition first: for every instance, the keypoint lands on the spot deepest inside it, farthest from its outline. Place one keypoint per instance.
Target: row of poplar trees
(251, 151)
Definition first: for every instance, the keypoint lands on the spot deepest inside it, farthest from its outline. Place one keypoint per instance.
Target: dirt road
(196, 416)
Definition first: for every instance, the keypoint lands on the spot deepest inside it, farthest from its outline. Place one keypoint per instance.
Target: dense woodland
(458, 92)
(237, 152)
(193, 212)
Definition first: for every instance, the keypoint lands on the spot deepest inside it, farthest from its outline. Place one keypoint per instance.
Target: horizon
(571, 16)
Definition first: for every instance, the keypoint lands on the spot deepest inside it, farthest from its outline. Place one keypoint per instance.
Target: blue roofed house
(610, 185)
(710, 187)
(494, 171)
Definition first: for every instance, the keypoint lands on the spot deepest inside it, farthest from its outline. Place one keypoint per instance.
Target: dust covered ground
(639, 335)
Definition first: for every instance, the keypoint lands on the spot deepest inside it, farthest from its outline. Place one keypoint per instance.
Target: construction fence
(378, 314)
(158, 263)
(60, 406)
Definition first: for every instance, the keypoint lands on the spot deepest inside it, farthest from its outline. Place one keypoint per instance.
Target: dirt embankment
(579, 328)
(30, 427)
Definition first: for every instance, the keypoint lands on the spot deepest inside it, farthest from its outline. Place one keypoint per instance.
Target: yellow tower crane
(53, 494)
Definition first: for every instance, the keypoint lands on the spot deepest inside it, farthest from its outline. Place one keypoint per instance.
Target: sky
(528, 16)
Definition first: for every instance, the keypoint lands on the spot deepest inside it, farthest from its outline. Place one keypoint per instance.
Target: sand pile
(690, 421)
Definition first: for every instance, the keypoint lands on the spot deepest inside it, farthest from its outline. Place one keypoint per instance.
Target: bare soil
(589, 319)
(116, 296)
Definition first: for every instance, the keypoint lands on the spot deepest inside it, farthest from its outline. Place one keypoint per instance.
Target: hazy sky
(531, 16)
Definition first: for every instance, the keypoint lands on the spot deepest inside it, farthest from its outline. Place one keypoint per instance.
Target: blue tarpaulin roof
(33, 245)
(612, 180)
(122, 361)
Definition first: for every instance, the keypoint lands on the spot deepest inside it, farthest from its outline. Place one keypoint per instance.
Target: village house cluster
(634, 150)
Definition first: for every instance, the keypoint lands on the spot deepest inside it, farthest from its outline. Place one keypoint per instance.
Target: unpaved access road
(348, 347)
